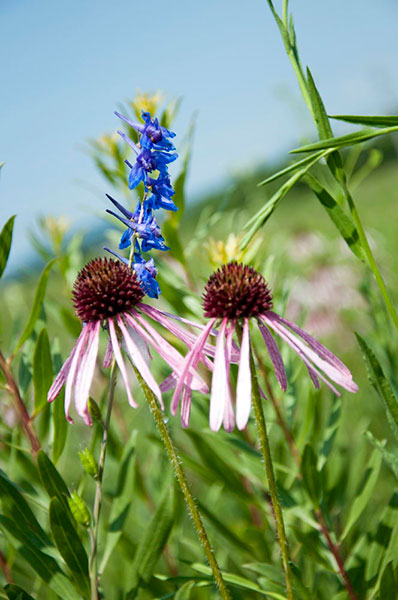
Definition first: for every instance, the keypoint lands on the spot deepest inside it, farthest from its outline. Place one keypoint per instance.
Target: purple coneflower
(234, 295)
(107, 294)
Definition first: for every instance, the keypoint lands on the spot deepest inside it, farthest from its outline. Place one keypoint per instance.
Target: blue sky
(66, 66)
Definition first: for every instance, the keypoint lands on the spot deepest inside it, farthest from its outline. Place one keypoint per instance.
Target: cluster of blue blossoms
(154, 152)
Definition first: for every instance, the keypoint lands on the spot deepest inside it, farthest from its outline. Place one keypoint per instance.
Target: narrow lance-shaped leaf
(44, 565)
(36, 306)
(371, 121)
(122, 500)
(311, 476)
(342, 221)
(265, 212)
(42, 370)
(5, 242)
(154, 538)
(52, 481)
(380, 383)
(70, 546)
(365, 492)
(16, 508)
(346, 140)
(324, 129)
(14, 592)
(293, 167)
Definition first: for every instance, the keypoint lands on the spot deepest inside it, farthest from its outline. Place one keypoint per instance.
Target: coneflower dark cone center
(105, 288)
(235, 291)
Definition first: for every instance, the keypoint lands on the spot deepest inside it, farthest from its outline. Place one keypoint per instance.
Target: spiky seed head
(105, 288)
(235, 291)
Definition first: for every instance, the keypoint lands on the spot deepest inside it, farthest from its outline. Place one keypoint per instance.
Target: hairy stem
(269, 469)
(184, 486)
(20, 406)
(93, 568)
(318, 512)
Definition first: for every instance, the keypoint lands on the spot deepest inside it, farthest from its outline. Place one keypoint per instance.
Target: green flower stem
(263, 435)
(184, 486)
(292, 52)
(93, 568)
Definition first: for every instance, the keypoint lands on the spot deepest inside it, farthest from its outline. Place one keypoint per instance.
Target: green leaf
(380, 383)
(154, 538)
(389, 583)
(16, 508)
(319, 112)
(52, 481)
(265, 212)
(323, 126)
(5, 242)
(312, 481)
(365, 492)
(346, 140)
(45, 566)
(371, 121)
(381, 540)
(238, 581)
(342, 221)
(390, 458)
(294, 166)
(69, 545)
(122, 499)
(36, 306)
(14, 592)
(184, 592)
(42, 370)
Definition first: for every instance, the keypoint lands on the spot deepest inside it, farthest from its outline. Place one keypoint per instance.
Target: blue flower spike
(154, 152)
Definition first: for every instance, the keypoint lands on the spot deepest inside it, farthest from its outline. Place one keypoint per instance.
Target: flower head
(107, 294)
(234, 295)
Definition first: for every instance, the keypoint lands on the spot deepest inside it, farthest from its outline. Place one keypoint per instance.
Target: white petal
(244, 383)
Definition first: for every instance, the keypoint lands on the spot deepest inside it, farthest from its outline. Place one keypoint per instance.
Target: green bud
(89, 463)
(95, 410)
(79, 509)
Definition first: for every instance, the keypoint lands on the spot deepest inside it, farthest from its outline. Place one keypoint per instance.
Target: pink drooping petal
(335, 374)
(186, 406)
(163, 317)
(189, 339)
(169, 354)
(229, 417)
(319, 348)
(169, 383)
(244, 383)
(219, 384)
(313, 376)
(60, 379)
(139, 361)
(314, 372)
(108, 355)
(193, 354)
(74, 367)
(120, 362)
(275, 356)
(86, 373)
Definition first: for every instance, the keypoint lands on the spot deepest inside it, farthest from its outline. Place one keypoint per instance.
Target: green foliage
(5, 243)
(336, 493)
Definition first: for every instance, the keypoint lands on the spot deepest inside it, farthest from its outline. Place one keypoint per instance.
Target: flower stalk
(184, 486)
(93, 568)
(277, 509)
